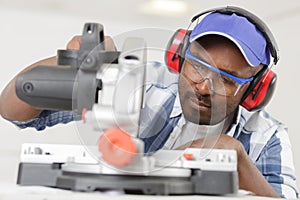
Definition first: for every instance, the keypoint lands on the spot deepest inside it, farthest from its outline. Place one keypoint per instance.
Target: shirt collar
(237, 118)
(177, 110)
(234, 125)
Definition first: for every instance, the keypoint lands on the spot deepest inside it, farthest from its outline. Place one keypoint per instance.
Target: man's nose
(205, 86)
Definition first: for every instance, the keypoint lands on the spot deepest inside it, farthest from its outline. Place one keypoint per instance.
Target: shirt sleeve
(276, 164)
(48, 118)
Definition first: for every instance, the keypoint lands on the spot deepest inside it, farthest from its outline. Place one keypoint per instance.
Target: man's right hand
(12, 108)
(75, 43)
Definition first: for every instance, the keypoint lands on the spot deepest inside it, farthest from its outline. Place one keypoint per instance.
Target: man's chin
(202, 120)
(197, 119)
(204, 116)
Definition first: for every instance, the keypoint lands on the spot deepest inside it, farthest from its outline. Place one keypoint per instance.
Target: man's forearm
(251, 179)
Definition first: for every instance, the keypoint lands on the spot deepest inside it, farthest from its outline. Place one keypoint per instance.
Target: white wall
(27, 36)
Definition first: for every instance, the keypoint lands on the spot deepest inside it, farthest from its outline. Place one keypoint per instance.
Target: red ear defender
(260, 93)
(174, 50)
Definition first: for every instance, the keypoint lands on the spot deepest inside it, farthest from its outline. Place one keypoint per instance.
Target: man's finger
(75, 43)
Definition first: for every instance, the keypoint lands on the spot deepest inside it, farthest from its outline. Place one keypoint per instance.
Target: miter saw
(107, 89)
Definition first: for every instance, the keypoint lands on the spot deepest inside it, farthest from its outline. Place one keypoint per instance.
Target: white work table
(12, 191)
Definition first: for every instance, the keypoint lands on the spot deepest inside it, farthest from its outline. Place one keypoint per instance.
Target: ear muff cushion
(174, 49)
(260, 95)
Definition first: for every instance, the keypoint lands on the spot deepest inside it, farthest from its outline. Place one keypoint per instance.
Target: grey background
(35, 29)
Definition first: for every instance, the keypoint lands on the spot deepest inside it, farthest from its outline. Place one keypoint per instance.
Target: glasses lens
(221, 84)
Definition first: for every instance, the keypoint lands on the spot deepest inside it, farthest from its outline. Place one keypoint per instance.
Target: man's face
(200, 103)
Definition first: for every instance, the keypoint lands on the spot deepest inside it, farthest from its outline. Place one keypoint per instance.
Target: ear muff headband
(183, 40)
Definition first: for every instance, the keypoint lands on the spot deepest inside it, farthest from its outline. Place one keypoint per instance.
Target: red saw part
(117, 147)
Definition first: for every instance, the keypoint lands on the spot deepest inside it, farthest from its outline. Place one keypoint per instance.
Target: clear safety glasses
(220, 81)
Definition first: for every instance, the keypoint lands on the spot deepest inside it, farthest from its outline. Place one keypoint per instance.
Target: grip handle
(47, 87)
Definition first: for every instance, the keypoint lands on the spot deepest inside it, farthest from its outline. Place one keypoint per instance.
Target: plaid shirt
(264, 138)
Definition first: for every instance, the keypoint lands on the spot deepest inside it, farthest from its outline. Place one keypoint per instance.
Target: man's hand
(75, 42)
(13, 108)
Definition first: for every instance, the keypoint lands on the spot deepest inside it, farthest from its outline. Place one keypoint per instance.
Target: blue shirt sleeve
(48, 118)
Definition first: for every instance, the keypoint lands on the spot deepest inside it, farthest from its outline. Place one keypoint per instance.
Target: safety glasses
(221, 82)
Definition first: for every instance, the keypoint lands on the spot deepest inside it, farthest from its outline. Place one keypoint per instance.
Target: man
(203, 100)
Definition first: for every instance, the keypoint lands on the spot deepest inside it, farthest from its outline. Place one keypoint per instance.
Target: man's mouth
(198, 104)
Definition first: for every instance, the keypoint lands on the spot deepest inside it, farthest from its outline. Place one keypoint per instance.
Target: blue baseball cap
(240, 31)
